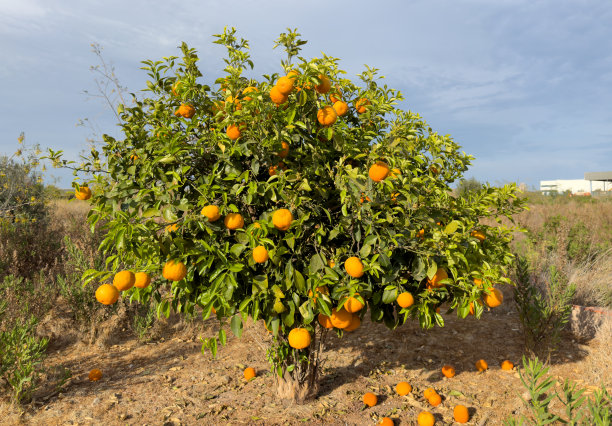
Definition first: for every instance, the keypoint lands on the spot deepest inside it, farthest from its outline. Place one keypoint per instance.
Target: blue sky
(524, 86)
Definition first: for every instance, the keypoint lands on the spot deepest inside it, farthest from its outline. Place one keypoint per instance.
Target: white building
(598, 181)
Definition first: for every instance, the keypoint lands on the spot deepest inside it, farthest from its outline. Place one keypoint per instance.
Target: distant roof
(598, 176)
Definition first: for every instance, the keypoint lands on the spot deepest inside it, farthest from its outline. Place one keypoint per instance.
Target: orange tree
(301, 199)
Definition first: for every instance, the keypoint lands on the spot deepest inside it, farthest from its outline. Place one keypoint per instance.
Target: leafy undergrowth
(169, 381)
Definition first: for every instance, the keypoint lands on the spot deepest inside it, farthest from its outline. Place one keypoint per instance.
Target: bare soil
(170, 382)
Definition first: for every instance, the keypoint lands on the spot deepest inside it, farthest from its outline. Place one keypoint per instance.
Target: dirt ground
(170, 382)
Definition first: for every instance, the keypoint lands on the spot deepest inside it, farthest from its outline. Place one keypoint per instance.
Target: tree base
(291, 389)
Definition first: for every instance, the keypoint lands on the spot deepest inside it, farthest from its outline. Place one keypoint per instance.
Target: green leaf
(222, 337)
(452, 227)
(433, 268)
(236, 325)
(300, 283)
(317, 262)
(150, 212)
(389, 296)
(169, 215)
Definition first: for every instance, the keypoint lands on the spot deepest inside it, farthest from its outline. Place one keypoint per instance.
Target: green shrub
(578, 409)
(543, 313)
(21, 356)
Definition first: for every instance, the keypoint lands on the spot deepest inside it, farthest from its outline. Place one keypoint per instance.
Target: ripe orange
(461, 414)
(478, 235)
(95, 375)
(319, 290)
(171, 228)
(394, 173)
(299, 338)
(247, 90)
(494, 298)
(335, 97)
(327, 116)
(354, 267)
(83, 193)
(260, 254)
(361, 200)
(370, 399)
(284, 151)
(331, 263)
(233, 132)
(355, 323)
(211, 212)
(378, 171)
(421, 233)
(435, 399)
(507, 365)
(478, 282)
(427, 393)
(186, 111)
(361, 105)
(403, 388)
(174, 271)
(107, 294)
(426, 419)
(277, 97)
(385, 421)
(481, 365)
(124, 280)
(249, 373)
(341, 318)
(325, 321)
(175, 87)
(473, 308)
(324, 86)
(233, 221)
(448, 371)
(281, 219)
(405, 300)
(353, 305)
(231, 100)
(273, 169)
(440, 275)
(340, 107)
(285, 85)
(142, 280)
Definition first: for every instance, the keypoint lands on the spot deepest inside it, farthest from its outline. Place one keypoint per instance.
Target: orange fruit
(249, 373)
(403, 388)
(299, 338)
(95, 375)
(478, 235)
(405, 300)
(327, 116)
(142, 280)
(281, 219)
(260, 254)
(361, 104)
(107, 294)
(174, 271)
(354, 267)
(124, 280)
(461, 414)
(186, 111)
(494, 298)
(478, 282)
(175, 87)
(340, 107)
(426, 419)
(378, 171)
(507, 365)
(285, 85)
(394, 173)
(325, 321)
(233, 132)
(429, 392)
(211, 212)
(448, 371)
(324, 86)
(233, 221)
(83, 193)
(331, 263)
(171, 228)
(361, 200)
(440, 275)
(481, 365)
(355, 323)
(421, 233)
(284, 151)
(273, 169)
(277, 97)
(353, 305)
(335, 97)
(319, 290)
(247, 90)
(341, 318)
(385, 421)
(231, 100)
(370, 399)
(435, 399)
